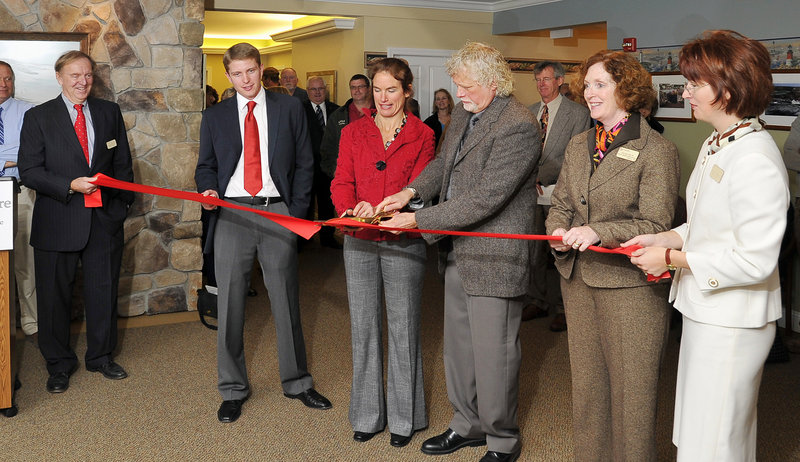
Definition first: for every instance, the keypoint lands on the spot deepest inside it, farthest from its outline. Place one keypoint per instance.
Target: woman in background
(378, 156)
(726, 254)
(442, 107)
(618, 180)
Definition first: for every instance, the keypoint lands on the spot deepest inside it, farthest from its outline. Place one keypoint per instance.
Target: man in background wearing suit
(559, 120)
(485, 179)
(64, 143)
(317, 111)
(255, 150)
(12, 111)
(289, 81)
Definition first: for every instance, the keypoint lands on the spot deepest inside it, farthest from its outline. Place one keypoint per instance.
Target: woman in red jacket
(378, 156)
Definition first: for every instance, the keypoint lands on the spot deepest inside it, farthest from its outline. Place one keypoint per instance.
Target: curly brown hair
(731, 64)
(634, 88)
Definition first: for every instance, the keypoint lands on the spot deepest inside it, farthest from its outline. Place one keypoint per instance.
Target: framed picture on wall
(33, 55)
(371, 56)
(669, 93)
(330, 81)
(526, 65)
(784, 106)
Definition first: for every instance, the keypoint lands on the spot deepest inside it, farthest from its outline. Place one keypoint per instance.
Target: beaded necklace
(396, 131)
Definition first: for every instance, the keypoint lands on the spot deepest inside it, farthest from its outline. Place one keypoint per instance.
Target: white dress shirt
(236, 185)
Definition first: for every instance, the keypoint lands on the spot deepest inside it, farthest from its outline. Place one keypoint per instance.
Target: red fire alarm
(629, 44)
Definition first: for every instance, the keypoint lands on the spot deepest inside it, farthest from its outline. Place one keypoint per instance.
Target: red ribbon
(307, 228)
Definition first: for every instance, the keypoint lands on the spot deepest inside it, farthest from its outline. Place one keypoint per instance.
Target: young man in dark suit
(255, 150)
(64, 143)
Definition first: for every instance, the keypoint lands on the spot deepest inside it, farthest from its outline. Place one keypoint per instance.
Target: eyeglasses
(545, 79)
(358, 87)
(316, 89)
(692, 87)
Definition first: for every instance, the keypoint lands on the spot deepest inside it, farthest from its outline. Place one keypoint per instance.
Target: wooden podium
(8, 327)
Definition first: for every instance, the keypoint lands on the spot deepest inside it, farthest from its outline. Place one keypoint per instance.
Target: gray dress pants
(481, 361)
(239, 238)
(395, 269)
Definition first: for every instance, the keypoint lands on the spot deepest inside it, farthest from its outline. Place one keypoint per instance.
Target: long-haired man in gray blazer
(485, 179)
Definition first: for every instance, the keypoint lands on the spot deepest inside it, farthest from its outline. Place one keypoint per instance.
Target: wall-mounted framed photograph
(784, 106)
(526, 65)
(370, 57)
(671, 105)
(330, 81)
(33, 55)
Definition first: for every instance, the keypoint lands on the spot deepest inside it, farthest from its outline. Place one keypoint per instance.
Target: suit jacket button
(583, 200)
(712, 282)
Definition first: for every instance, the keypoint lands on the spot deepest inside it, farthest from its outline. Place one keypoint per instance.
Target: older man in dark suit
(318, 108)
(64, 143)
(559, 120)
(485, 178)
(254, 150)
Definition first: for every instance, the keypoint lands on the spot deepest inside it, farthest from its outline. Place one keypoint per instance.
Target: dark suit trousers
(322, 193)
(55, 277)
(482, 356)
(239, 238)
(545, 288)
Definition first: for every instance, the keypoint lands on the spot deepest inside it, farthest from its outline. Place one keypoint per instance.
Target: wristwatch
(414, 191)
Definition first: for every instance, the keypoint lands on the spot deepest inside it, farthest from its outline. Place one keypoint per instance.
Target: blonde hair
(484, 64)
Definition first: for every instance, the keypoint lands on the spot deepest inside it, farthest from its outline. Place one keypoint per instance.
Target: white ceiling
(246, 26)
(466, 5)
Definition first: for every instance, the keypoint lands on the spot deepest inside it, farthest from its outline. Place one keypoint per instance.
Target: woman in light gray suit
(726, 284)
(619, 179)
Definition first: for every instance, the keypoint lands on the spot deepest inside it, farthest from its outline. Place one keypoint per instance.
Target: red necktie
(252, 152)
(80, 130)
(94, 199)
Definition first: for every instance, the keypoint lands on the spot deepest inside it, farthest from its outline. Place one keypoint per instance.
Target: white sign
(7, 214)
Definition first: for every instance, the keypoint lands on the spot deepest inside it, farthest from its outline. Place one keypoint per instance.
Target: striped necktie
(320, 116)
(2, 133)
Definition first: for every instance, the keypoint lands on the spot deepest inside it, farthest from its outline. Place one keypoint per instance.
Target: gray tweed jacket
(493, 190)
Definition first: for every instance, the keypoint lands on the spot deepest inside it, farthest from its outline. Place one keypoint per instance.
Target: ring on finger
(575, 245)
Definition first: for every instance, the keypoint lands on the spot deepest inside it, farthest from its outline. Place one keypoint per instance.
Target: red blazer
(357, 177)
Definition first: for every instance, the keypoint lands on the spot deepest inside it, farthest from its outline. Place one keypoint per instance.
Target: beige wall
(689, 136)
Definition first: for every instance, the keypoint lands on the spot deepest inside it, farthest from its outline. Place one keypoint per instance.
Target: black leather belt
(257, 200)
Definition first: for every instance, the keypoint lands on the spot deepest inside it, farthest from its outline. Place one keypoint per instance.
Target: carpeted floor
(166, 409)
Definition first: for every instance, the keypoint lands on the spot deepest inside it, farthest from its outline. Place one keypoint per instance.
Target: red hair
(731, 64)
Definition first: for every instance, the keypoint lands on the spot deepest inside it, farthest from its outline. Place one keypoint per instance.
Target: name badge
(111, 144)
(628, 154)
(716, 173)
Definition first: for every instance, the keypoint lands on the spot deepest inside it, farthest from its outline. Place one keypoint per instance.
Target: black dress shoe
(363, 437)
(399, 441)
(110, 370)
(559, 323)
(230, 410)
(312, 399)
(533, 311)
(58, 382)
(448, 442)
(494, 456)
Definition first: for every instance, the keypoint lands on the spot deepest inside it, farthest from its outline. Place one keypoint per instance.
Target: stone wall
(150, 62)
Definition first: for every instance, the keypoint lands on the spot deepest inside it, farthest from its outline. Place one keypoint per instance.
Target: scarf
(741, 128)
(603, 139)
